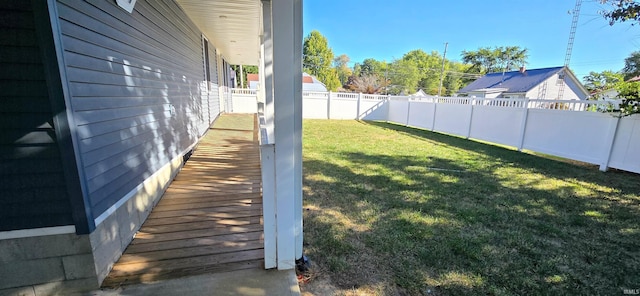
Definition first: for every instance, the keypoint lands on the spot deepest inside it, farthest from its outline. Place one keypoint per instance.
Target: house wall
(30, 162)
(137, 89)
(139, 102)
(485, 95)
(513, 95)
(552, 90)
(40, 254)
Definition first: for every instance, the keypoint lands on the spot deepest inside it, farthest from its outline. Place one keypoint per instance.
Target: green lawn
(391, 210)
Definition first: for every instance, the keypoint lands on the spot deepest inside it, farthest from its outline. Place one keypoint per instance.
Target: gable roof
(513, 81)
(252, 77)
(420, 93)
(307, 79)
(311, 83)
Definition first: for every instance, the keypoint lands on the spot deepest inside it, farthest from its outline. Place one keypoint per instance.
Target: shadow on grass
(431, 223)
(621, 180)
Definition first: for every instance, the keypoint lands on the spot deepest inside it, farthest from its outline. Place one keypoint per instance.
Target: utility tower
(572, 37)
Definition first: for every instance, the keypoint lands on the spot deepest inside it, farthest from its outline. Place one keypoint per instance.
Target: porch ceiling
(232, 26)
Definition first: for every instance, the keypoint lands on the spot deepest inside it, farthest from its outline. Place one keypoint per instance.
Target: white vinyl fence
(330, 105)
(570, 129)
(566, 130)
(242, 100)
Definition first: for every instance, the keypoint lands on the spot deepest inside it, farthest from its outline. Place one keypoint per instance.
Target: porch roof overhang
(232, 26)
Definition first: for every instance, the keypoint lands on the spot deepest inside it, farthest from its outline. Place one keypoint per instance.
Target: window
(560, 79)
(207, 70)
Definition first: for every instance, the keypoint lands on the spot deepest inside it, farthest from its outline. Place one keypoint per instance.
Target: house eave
(488, 90)
(233, 26)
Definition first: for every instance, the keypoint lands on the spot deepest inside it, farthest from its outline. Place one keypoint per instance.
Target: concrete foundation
(63, 264)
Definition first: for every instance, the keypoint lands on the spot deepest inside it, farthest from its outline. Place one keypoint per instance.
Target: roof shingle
(513, 81)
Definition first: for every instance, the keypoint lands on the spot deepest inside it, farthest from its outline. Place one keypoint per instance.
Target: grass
(392, 210)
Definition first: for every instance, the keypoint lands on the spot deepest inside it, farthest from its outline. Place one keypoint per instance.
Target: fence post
(329, 105)
(472, 102)
(611, 138)
(408, 110)
(358, 110)
(433, 118)
(523, 124)
(388, 107)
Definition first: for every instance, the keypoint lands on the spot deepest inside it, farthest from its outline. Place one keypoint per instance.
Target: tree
(630, 94)
(454, 78)
(317, 59)
(599, 81)
(331, 80)
(429, 67)
(489, 60)
(246, 69)
(404, 76)
(631, 65)
(372, 67)
(368, 84)
(341, 64)
(623, 11)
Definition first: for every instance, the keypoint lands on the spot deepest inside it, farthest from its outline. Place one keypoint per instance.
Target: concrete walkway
(250, 282)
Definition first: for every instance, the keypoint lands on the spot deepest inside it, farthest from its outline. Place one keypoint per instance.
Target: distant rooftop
(512, 81)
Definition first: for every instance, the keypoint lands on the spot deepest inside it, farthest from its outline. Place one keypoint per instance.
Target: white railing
(244, 91)
(319, 94)
(242, 100)
(374, 97)
(345, 95)
(267, 167)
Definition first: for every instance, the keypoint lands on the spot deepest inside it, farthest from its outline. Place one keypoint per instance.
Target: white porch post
(267, 149)
(297, 76)
(267, 84)
(287, 83)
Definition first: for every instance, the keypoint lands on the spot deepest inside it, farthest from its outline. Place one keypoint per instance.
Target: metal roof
(512, 81)
(232, 26)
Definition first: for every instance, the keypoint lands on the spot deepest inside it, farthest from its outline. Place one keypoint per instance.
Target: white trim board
(135, 190)
(22, 233)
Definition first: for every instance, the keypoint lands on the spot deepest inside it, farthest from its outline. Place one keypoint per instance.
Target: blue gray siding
(136, 83)
(33, 193)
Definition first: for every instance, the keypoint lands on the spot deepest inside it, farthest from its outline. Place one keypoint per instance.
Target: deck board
(210, 218)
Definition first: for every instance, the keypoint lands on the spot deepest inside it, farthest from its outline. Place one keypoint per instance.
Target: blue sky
(385, 30)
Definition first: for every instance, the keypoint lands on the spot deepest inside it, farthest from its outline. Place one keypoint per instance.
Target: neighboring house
(420, 93)
(309, 82)
(608, 94)
(102, 100)
(543, 83)
(253, 81)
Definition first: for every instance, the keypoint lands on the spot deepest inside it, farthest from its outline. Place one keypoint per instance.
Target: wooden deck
(209, 220)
